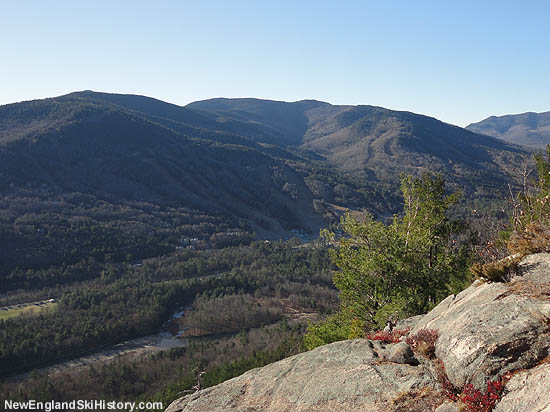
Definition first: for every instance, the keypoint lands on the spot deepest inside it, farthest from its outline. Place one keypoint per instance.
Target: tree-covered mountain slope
(119, 148)
(165, 172)
(530, 129)
(378, 144)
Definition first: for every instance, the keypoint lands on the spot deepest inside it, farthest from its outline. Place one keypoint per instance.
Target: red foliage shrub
(472, 398)
(476, 401)
(388, 337)
(423, 342)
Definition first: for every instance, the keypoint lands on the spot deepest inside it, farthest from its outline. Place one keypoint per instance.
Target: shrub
(418, 400)
(530, 231)
(472, 399)
(332, 329)
(388, 337)
(476, 401)
(423, 342)
(499, 271)
(534, 238)
(531, 219)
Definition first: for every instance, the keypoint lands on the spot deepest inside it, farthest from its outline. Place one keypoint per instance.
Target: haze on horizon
(457, 62)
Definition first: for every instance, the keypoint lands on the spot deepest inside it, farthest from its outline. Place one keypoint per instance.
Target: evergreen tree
(400, 269)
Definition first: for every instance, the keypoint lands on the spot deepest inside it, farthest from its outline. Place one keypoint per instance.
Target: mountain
(484, 347)
(259, 160)
(140, 149)
(125, 177)
(529, 129)
(377, 144)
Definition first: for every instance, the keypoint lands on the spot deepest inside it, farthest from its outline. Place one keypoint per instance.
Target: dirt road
(146, 344)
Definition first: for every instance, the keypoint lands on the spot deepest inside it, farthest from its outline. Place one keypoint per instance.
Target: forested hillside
(377, 144)
(118, 212)
(529, 129)
(89, 179)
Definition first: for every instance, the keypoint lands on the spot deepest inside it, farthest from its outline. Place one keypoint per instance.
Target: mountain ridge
(170, 156)
(529, 128)
(372, 142)
(133, 153)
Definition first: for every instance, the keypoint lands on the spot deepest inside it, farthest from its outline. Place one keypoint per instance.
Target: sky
(458, 61)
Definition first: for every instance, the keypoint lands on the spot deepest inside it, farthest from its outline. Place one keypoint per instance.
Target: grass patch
(532, 289)
(418, 400)
(30, 310)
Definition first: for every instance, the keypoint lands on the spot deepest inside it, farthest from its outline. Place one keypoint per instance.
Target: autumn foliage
(394, 336)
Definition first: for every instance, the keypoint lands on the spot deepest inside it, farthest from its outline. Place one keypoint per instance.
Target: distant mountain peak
(529, 128)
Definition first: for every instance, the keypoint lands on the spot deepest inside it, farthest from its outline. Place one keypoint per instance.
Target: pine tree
(397, 270)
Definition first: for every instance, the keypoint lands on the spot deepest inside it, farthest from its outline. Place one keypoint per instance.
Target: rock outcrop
(489, 331)
(528, 390)
(343, 376)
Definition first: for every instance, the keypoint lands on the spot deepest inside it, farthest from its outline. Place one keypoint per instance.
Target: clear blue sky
(459, 61)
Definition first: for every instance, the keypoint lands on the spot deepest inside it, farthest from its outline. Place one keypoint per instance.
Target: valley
(138, 346)
(124, 209)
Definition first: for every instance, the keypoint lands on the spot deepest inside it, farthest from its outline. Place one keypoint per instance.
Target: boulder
(490, 329)
(535, 268)
(402, 353)
(343, 376)
(408, 323)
